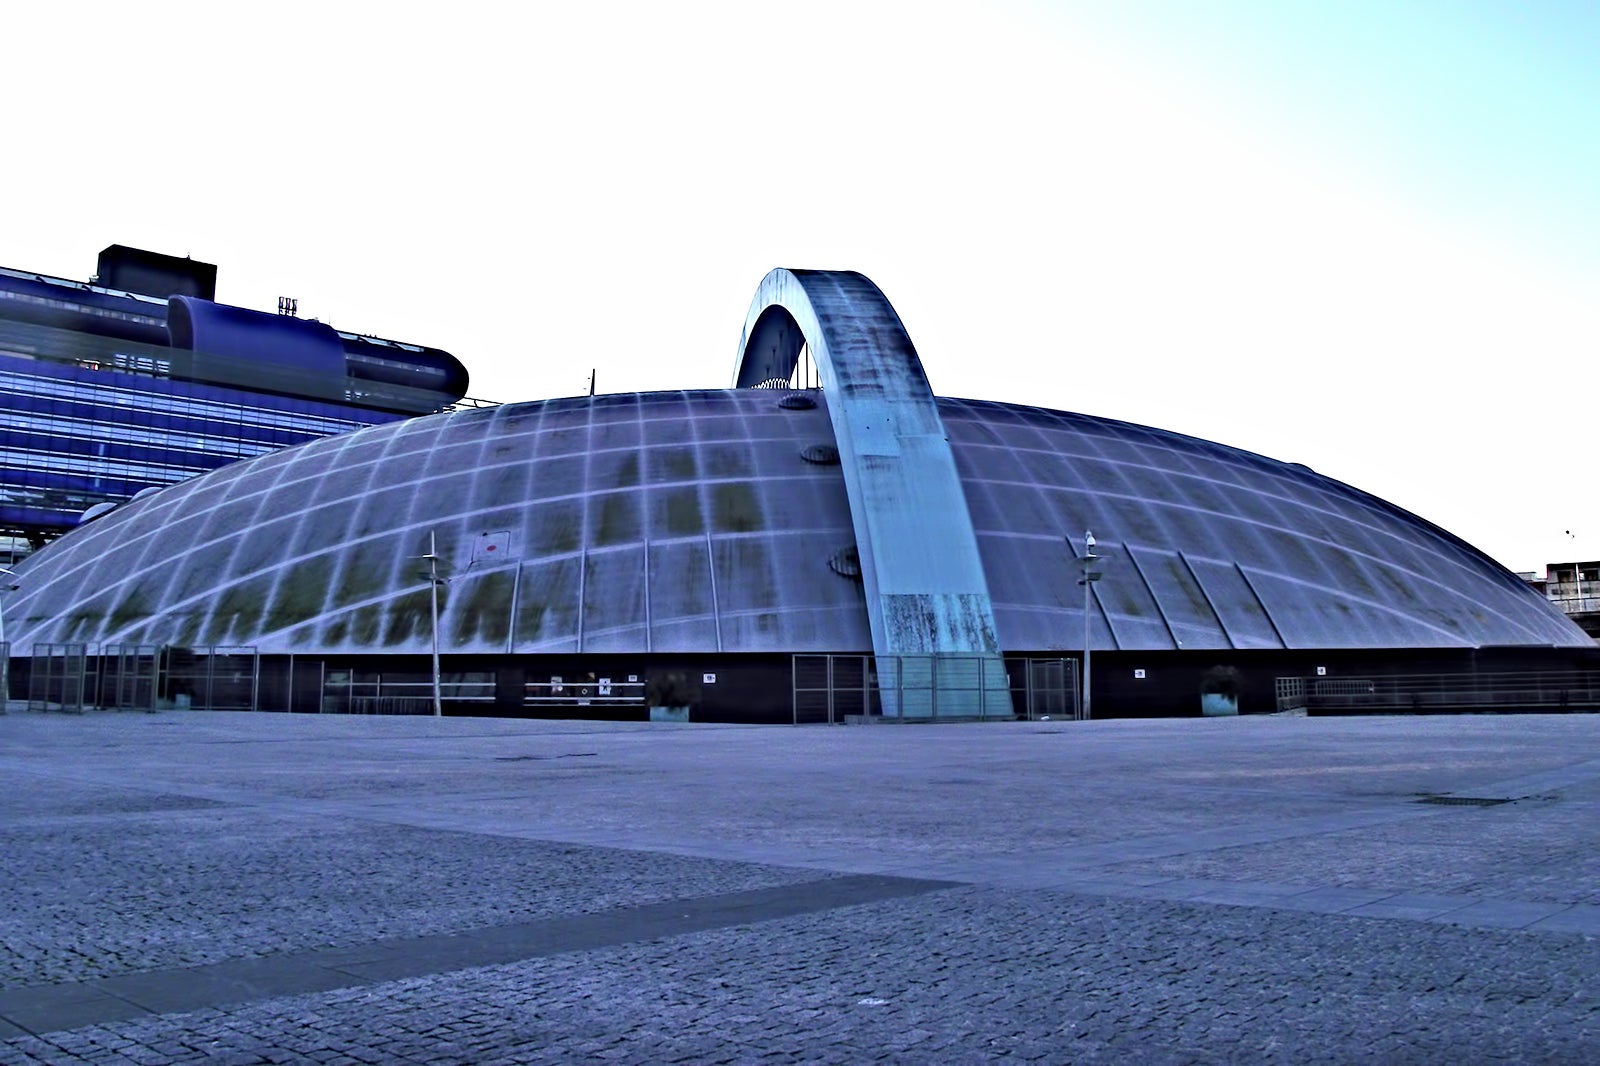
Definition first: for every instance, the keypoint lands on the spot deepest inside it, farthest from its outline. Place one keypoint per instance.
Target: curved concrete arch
(925, 586)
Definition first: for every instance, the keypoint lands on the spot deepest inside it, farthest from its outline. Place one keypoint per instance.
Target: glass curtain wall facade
(72, 437)
(107, 393)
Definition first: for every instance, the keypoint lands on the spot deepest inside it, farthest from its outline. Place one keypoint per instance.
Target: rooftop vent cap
(821, 454)
(98, 510)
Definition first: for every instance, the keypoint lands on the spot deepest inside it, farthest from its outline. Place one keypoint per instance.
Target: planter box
(669, 714)
(1215, 704)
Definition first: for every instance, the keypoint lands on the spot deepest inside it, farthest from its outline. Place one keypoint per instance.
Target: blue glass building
(139, 379)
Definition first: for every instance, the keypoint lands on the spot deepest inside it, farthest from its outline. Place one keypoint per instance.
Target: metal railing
(390, 705)
(1498, 691)
(350, 691)
(1589, 603)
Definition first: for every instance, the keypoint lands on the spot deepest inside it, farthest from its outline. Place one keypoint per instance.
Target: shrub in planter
(671, 696)
(1219, 691)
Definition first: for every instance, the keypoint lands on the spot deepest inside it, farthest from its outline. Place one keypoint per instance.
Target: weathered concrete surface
(238, 888)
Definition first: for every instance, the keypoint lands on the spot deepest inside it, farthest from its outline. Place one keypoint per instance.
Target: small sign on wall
(1138, 675)
(709, 679)
(1322, 671)
(490, 548)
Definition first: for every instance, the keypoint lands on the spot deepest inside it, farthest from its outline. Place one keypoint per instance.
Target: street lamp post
(1091, 563)
(433, 592)
(5, 648)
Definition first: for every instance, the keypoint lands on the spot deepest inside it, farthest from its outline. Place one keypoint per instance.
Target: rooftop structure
(1574, 589)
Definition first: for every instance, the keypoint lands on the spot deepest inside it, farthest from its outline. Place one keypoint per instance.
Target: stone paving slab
(188, 888)
(1175, 891)
(1416, 906)
(1580, 918)
(1501, 914)
(50, 1008)
(988, 975)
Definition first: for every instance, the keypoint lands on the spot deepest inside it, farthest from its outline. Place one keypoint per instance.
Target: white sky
(1360, 236)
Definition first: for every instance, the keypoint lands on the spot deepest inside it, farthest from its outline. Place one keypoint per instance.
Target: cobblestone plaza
(212, 887)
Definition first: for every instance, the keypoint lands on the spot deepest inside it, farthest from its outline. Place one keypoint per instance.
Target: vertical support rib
(1262, 604)
(716, 608)
(1195, 577)
(1161, 611)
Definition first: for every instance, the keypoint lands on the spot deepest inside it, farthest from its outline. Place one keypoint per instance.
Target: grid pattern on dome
(635, 522)
(1212, 547)
(690, 521)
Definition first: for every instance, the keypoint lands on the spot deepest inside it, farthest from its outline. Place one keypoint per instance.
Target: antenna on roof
(591, 381)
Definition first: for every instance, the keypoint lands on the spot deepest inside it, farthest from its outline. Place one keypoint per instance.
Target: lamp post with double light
(432, 559)
(1092, 572)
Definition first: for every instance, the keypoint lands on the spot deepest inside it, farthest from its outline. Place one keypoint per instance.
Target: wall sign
(709, 679)
(1138, 675)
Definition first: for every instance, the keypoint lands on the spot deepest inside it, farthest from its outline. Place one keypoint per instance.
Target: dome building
(585, 545)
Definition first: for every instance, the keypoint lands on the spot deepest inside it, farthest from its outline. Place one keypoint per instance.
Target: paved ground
(246, 888)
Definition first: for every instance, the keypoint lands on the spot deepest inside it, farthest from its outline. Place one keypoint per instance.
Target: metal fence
(831, 689)
(1049, 689)
(142, 677)
(57, 677)
(1421, 693)
(130, 677)
(214, 678)
(1290, 693)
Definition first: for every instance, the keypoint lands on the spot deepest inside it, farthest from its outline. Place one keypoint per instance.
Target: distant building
(138, 379)
(1575, 589)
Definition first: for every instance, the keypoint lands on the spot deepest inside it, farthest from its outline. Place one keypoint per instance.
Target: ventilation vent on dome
(797, 401)
(772, 383)
(846, 562)
(823, 454)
